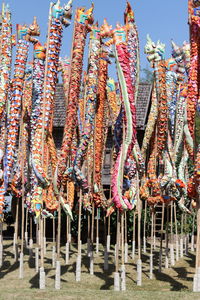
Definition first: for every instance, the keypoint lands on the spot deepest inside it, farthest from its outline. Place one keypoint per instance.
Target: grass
(174, 283)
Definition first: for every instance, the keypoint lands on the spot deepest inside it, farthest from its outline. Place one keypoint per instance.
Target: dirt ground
(172, 283)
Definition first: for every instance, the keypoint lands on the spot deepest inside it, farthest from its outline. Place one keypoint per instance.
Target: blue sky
(164, 20)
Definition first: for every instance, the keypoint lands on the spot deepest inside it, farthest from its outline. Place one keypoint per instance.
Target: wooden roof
(142, 105)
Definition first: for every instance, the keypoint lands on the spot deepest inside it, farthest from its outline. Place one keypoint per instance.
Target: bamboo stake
(105, 244)
(97, 232)
(78, 261)
(122, 239)
(116, 274)
(67, 228)
(181, 239)
(26, 228)
(123, 270)
(171, 237)
(42, 273)
(139, 262)
(108, 235)
(161, 237)
(186, 236)
(196, 282)
(133, 240)
(21, 273)
(58, 232)
(110, 197)
(45, 249)
(176, 230)
(125, 239)
(54, 245)
(167, 241)
(31, 237)
(67, 241)
(92, 243)
(58, 270)
(192, 237)
(1, 244)
(151, 250)
(144, 232)
(154, 232)
(15, 245)
(89, 235)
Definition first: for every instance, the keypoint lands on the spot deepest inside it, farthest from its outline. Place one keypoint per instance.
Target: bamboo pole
(58, 232)
(26, 228)
(176, 230)
(181, 239)
(196, 282)
(78, 261)
(89, 235)
(21, 267)
(15, 244)
(171, 236)
(125, 238)
(161, 237)
(144, 231)
(67, 241)
(186, 235)
(116, 274)
(192, 237)
(108, 235)
(92, 242)
(97, 231)
(151, 249)
(54, 244)
(45, 249)
(139, 261)
(58, 267)
(123, 270)
(133, 238)
(154, 232)
(167, 241)
(105, 244)
(42, 273)
(31, 236)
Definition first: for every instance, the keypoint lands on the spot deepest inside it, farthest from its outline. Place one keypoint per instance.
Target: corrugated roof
(142, 105)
